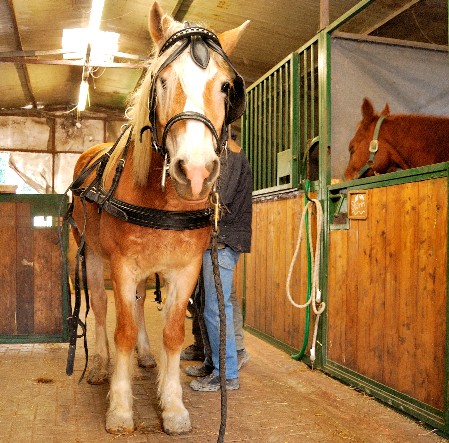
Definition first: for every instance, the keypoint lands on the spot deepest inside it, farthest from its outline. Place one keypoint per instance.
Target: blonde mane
(138, 117)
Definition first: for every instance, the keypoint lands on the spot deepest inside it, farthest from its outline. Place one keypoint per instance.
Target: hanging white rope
(315, 297)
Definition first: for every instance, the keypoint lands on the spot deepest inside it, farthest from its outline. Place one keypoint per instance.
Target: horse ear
(158, 24)
(367, 110)
(386, 110)
(229, 39)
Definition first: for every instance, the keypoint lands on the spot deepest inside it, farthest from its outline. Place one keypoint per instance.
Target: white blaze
(196, 146)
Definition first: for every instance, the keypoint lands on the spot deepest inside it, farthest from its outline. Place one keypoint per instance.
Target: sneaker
(211, 383)
(242, 358)
(199, 371)
(193, 352)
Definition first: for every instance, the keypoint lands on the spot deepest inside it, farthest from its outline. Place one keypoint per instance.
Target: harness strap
(373, 147)
(73, 321)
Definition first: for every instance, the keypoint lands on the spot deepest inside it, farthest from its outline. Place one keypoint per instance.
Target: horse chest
(151, 247)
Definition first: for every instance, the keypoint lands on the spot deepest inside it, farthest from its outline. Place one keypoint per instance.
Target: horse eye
(163, 83)
(225, 87)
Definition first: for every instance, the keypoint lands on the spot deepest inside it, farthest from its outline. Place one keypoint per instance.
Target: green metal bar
(390, 396)
(275, 125)
(305, 98)
(359, 7)
(287, 139)
(256, 146)
(294, 121)
(299, 109)
(261, 138)
(264, 136)
(281, 114)
(312, 92)
(324, 107)
(395, 178)
(271, 340)
(268, 166)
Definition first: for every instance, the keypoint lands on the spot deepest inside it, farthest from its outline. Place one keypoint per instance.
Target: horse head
(359, 147)
(188, 98)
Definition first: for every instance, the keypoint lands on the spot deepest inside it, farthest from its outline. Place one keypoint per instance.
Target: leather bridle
(200, 41)
(373, 148)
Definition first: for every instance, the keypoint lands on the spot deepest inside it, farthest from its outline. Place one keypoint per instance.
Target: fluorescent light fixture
(84, 92)
(103, 45)
(98, 43)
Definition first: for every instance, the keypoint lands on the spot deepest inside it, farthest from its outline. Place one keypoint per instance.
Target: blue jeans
(227, 259)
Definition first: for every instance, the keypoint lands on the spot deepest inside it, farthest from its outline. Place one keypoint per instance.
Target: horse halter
(373, 148)
(200, 41)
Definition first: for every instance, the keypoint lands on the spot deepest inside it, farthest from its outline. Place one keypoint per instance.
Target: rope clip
(215, 201)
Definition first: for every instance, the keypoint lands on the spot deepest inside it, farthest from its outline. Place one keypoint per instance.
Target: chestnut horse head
(385, 143)
(190, 94)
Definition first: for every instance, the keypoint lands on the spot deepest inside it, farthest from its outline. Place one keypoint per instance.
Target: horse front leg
(145, 358)
(99, 370)
(175, 416)
(119, 418)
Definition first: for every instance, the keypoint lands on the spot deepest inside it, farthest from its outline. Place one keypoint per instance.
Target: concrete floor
(280, 401)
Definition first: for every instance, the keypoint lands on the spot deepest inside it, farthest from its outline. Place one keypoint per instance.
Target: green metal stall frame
(304, 77)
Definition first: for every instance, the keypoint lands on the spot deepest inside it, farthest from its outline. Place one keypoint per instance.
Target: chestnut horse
(129, 213)
(385, 143)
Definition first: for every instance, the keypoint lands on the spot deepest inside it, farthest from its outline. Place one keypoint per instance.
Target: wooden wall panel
(47, 286)
(25, 272)
(336, 305)
(8, 268)
(30, 271)
(387, 290)
(275, 234)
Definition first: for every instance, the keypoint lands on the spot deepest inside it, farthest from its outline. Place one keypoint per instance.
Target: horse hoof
(176, 424)
(119, 424)
(97, 377)
(99, 373)
(147, 361)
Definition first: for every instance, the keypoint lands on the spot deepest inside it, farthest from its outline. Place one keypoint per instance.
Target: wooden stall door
(262, 274)
(387, 291)
(30, 277)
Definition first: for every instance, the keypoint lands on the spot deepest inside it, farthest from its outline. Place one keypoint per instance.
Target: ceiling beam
(324, 13)
(389, 17)
(80, 62)
(181, 9)
(22, 71)
(34, 53)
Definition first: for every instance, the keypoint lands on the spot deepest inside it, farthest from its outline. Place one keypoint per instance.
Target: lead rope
(221, 309)
(318, 306)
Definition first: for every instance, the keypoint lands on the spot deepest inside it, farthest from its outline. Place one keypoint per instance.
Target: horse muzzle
(194, 182)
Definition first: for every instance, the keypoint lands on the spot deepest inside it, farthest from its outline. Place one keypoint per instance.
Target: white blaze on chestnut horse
(181, 112)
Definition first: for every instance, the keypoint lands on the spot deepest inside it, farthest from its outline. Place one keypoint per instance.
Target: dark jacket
(235, 187)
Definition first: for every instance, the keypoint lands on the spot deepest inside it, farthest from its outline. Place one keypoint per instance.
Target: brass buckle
(215, 201)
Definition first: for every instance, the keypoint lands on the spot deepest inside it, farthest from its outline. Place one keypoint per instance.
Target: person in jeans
(234, 237)
(200, 349)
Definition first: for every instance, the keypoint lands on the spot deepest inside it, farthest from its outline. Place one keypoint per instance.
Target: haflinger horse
(149, 212)
(385, 143)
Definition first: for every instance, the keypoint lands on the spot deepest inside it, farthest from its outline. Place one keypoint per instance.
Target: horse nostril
(214, 169)
(179, 172)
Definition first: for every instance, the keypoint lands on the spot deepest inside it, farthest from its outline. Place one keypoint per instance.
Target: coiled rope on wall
(314, 298)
